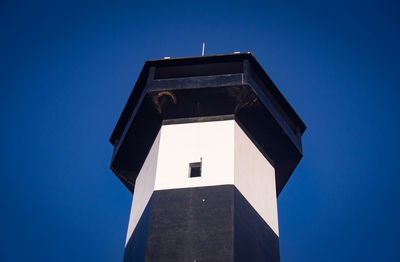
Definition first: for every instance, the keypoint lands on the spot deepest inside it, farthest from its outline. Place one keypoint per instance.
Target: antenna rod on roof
(202, 52)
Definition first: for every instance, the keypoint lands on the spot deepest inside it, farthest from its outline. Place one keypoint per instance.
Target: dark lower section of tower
(214, 223)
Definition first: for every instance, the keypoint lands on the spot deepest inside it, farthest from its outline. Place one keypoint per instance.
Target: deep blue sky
(67, 69)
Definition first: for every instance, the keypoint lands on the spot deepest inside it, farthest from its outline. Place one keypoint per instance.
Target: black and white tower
(205, 144)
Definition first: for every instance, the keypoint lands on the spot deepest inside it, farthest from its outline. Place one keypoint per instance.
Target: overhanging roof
(179, 89)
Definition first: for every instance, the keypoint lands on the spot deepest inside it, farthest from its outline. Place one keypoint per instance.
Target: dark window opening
(195, 169)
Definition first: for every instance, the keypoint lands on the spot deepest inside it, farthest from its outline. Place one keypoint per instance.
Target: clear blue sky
(66, 71)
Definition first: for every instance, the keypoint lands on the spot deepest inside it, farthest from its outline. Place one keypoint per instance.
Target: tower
(205, 144)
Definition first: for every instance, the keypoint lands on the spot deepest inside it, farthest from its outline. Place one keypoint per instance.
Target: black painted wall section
(203, 224)
(191, 224)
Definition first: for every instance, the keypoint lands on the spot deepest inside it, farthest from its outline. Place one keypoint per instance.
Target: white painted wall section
(144, 187)
(255, 178)
(182, 144)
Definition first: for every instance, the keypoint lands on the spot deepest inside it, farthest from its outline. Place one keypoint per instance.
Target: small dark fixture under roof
(232, 86)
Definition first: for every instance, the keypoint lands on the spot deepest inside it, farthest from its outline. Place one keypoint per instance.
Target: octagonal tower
(205, 144)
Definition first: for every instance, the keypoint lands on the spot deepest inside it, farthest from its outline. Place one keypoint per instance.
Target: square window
(195, 169)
